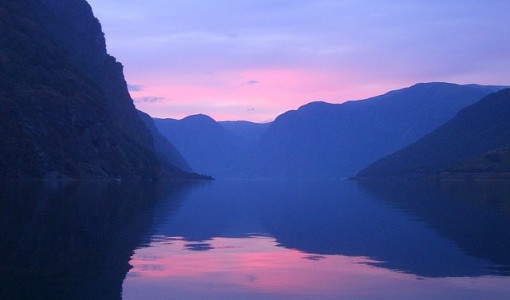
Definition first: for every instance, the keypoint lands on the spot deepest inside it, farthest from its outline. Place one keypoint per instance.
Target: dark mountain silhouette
(321, 140)
(479, 130)
(66, 110)
(165, 150)
(216, 148)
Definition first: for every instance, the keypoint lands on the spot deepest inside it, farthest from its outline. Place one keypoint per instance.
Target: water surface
(324, 239)
(256, 240)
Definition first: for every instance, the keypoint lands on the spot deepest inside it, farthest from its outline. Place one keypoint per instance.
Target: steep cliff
(65, 109)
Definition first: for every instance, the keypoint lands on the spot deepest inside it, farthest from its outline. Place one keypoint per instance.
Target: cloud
(135, 87)
(149, 99)
(330, 50)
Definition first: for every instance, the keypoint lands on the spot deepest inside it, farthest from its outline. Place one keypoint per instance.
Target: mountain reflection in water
(72, 240)
(307, 239)
(255, 239)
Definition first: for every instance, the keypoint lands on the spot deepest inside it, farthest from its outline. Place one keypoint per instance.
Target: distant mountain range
(65, 109)
(66, 113)
(476, 140)
(216, 148)
(319, 140)
(322, 140)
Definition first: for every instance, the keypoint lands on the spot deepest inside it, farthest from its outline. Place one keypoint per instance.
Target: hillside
(211, 147)
(475, 140)
(494, 161)
(164, 149)
(321, 140)
(66, 111)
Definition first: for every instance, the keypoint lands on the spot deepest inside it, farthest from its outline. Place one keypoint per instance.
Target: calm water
(255, 240)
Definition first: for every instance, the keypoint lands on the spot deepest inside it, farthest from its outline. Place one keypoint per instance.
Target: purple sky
(253, 60)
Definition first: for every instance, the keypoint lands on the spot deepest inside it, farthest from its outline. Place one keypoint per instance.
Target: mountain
(216, 148)
(321, 140)
(165, 150)
(475, 140)
(65, 109)
(494, 161)
(248, 133)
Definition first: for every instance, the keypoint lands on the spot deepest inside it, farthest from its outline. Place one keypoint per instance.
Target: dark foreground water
(255, 240)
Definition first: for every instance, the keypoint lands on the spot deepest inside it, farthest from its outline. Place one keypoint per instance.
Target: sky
(255, 59)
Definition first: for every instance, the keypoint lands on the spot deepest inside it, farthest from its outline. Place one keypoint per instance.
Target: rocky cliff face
(65, 108)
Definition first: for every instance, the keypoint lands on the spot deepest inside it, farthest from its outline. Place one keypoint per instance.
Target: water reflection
(72, 241)
(254, 240)
(236, 268)
(320, 217)
(308, 239)
(259, 268)
(474, 215)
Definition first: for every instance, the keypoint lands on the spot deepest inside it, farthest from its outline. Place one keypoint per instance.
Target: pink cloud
(293, 52)
(252, 94)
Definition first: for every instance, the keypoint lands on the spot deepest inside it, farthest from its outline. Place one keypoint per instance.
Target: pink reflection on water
(257, 267)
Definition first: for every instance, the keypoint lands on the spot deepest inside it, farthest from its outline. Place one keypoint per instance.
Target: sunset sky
(253, 60)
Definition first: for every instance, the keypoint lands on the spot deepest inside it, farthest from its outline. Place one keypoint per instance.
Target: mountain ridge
(211, 147)
(319, 139)
(477, 129)
(322, 140)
